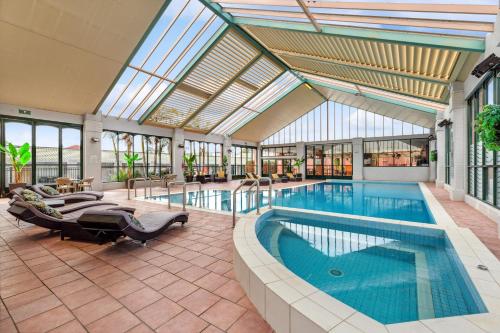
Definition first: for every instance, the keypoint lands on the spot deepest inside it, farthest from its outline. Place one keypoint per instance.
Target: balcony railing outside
(45, 174)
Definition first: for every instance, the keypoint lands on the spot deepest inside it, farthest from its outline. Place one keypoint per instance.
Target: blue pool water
(400, 201)
(391, 273)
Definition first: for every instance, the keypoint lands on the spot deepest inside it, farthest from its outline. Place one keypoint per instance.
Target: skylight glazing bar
(174, 65)
(221, 32)
(167, 54)
(160, 39)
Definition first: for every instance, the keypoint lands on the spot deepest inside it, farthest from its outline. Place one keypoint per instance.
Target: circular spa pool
(389, 272)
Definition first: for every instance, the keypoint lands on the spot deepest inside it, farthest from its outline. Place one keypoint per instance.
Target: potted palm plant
(19, 158)
(297, 164)
(189, 161)
(225, 163)
(130, 159)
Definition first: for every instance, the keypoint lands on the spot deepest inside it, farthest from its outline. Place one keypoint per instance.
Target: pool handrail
(270, 190)
(243, 182)
(135, 188)
(184, 191)
(179, 182)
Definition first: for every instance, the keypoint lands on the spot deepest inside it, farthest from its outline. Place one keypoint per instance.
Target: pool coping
(290, 304)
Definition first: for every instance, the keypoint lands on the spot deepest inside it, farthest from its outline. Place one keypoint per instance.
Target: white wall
(397, 174)
(13, 110)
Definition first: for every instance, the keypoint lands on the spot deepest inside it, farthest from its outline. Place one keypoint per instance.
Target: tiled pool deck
(182, 282)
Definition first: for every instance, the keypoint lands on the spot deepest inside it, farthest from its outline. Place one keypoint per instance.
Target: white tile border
(290, 304)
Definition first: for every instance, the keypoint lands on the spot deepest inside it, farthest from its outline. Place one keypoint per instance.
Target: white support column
(178, 153)
(227, 146)
(357, 159)
(458, 114)
(258, 167)
(92, 131)
(441, 151)
(301, 152)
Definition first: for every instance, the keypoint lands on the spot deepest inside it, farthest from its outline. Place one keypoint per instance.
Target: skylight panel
(259, 103)
(182, 30)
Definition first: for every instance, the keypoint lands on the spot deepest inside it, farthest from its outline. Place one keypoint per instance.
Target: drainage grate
(335, 272)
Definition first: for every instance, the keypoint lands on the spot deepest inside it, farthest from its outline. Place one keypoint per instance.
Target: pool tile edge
(279, 295)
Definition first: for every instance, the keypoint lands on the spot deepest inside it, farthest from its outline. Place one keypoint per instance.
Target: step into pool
(389, 272)
(399, 201)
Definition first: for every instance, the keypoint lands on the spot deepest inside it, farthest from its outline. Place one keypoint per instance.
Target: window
(398, 153)
(483, 167)
(47, 153)
(335, 121)
(55, 148)
(329, 160)
(208, 156)
(71, 153)
(243, 160)
(154, 153)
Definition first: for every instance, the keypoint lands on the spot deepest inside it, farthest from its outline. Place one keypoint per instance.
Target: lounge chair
(291, 177)
(69, 197)
(220, 177)
(262, 182)
(275, 178)
(68, 225)
(109, 225)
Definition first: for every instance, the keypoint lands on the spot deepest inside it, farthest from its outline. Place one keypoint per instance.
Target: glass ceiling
(463, 18)
(183, 29)
(260, 103)
(335, 121)
(196, 69)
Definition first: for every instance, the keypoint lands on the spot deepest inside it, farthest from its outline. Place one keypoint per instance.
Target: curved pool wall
(389, 272)
(291, 304)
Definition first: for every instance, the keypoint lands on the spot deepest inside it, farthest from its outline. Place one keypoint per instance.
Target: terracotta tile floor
(466, 216)
(181, 282)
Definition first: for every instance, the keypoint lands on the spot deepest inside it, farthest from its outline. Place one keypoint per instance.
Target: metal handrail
(156, 180)
(255, 182)
(135, 188)
(242, 182)
(168, 189)
(270, 190)
(184, 191)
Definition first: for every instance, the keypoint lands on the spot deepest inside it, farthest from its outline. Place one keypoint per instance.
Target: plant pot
(16, 185)
(132, 183)
(298, 175)
(189, 179)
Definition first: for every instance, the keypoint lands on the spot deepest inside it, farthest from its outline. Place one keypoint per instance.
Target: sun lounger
(108, 226)
(69, 197)
(25, 211)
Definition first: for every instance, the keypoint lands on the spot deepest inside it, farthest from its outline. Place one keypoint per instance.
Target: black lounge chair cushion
(110, 224)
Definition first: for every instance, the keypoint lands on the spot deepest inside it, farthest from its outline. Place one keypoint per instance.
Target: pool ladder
(255, 183)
